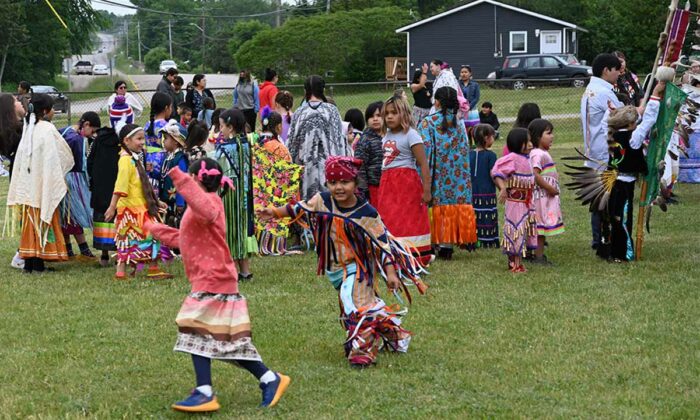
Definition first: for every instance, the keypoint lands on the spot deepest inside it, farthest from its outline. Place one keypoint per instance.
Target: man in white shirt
(595, 107)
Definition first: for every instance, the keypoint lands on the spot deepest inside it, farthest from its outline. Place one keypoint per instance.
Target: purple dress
(519, 226)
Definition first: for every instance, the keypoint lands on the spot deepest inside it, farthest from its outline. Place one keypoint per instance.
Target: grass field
(583, 338)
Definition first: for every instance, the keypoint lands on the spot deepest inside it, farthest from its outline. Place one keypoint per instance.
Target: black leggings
(34, 264)
(250, 117)
(202, 368)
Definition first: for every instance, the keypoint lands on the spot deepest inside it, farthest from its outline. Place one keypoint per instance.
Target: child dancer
(38, 185)
(481, 161)
(76, 213)
(446, 143)
(369, 150)
(197, 134)
(102, 168)
(625, 141)
(134, 202)
(283, 106)
(546, 194)
(213, 322)
(352, 245)
(173, 143)
(161, 108)
(234, 156)
(275, 182)
(403, 198)
(513, 176)
(215, 135)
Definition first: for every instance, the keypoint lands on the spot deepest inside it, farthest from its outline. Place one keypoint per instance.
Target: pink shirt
(201, 238)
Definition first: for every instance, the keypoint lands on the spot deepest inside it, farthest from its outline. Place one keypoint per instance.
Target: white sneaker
(17, 262)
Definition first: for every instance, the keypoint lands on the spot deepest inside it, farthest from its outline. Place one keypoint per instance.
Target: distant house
(483, 33)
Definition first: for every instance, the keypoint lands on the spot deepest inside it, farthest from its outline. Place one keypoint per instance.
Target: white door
(550, 42)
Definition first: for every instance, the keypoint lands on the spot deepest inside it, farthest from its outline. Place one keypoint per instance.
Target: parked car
(61, 101)
(541, 68)
(165, 65)
(100, 69)
(83, 67)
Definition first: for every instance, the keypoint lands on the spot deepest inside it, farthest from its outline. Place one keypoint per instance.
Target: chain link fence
(559, 101)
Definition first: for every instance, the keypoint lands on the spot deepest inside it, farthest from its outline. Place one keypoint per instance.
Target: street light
(204, 40)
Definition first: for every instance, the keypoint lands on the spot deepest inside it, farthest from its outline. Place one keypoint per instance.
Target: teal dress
(234, 156)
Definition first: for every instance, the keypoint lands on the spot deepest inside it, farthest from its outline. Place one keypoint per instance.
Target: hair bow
(204, 171)
(227, 181)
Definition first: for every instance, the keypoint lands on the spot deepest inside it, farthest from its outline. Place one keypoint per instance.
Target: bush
(350, 45)
(153, 58)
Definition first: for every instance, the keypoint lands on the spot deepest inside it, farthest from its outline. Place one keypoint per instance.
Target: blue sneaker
(197, 403)
(273, 391)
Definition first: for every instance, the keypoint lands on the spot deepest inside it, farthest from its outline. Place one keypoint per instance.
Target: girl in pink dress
(513, 177)
(546, 194)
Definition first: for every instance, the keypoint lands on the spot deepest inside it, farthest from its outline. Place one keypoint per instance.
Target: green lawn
(583, 338)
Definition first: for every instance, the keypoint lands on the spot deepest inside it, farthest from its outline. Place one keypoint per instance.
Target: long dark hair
(40, 105)
(314, 86)
(273, 120)
(10, 127)
(481, 132)
(196, 79)
(215, 119)
(159, 102)
(197, 134)
(211, 183)
(527, 112)
(449, 105)
(286, 100)
(517, 139)
(148, 193)
(235, 118)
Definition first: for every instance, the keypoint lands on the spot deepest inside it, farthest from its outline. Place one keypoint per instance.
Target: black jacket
(625, 158)
(102, 167)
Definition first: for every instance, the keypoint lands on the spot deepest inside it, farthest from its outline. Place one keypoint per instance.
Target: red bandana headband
(340, 168)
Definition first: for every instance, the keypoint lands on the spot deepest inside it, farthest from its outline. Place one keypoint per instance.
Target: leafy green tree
(154, 57)
(350, 45)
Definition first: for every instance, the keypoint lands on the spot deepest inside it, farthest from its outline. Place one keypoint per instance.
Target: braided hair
(159, 103)
(449, 105)
(285, 99)
(148, 193)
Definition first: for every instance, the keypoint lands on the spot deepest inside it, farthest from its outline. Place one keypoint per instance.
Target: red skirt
(403, 212)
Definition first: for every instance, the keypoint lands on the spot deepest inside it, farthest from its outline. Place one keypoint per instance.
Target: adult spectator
(470, 88)
(120, 89)
(693, 71)
(268, 90)
(24, 94)
(166, 86)
(443, 77)
(246, 98)
(627, 86)
(316, 132)
(596, 102)
(421, 94)
(195, 96)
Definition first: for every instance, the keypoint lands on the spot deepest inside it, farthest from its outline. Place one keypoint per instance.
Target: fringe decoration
(453, 224)
(368, 252)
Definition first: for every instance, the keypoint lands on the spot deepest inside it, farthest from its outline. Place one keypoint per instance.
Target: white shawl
(38, 177)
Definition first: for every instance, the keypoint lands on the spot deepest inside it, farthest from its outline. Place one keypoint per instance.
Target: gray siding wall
(467, 37)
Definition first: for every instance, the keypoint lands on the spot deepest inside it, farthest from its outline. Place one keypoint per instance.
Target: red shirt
(267, 94)
(201, 238)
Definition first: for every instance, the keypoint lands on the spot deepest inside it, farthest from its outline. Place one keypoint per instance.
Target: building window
(518, 42)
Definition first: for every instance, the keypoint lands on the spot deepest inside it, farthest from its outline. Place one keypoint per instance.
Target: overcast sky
(114, 9)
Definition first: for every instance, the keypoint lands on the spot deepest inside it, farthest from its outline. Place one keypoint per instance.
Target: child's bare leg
(243, 266)
(539, 252)
(121, 268)
(517, 261)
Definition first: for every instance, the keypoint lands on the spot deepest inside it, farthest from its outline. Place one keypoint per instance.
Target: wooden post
(639, 242)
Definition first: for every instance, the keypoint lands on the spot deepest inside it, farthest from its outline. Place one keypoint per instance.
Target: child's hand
(553, 191)
(392, 282)
(427, 197)
(502, 196)
(110, 213)
(424, 68)
(265, 214)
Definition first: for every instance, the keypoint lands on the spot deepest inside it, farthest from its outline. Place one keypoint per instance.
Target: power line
(162, 12)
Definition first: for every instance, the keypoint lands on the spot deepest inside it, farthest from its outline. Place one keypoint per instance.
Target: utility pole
(126, 33)
(138, 37)
(204, 42)
(278, 18)
(328, 6)
(170, 39)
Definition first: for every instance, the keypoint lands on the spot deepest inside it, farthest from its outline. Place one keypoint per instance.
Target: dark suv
(60, 101)
(543, 68)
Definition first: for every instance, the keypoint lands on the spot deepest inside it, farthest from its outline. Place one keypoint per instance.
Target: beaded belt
(521, 195)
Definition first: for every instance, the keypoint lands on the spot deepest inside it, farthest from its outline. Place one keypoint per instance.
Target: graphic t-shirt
(397, 149)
